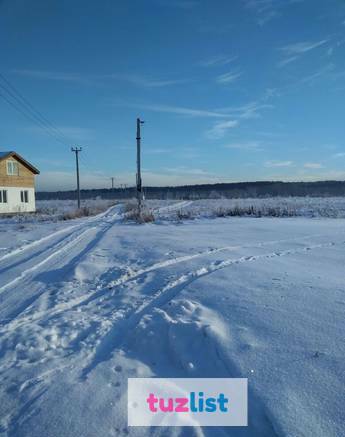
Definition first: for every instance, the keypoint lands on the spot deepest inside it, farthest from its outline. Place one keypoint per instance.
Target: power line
(24, 107)
(29, 117)
(12, 99)
(39, 114)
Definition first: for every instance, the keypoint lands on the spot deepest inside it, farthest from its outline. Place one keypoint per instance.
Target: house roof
(4, 155)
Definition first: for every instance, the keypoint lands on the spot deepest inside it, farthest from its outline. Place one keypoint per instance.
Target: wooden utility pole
(112, 183)
(139, 182)
(76, 150)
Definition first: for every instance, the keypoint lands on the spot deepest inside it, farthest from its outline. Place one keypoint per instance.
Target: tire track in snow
(174, 206)
(135, 274)
(60, 246)
(118, 333)
(131, 275)
(33, 244)
(25, 247)
(14, 322)
(64, 247)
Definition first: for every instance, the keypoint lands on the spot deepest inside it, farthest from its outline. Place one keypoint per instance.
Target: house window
(3, 196)
(24, 196)
(12, 168)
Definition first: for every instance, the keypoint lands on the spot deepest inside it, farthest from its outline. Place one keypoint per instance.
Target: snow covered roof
(4, 155)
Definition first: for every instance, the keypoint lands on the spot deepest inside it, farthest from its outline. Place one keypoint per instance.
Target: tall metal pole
(139, 182)
(76, 150)
(112, 183)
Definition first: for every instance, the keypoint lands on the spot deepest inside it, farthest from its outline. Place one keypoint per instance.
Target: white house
(17, 184)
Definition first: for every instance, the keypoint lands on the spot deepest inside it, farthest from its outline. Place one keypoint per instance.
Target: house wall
(14, 203)
(25, 178)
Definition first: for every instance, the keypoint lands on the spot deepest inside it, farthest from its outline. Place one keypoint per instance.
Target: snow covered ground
(54, 210)
(332, 207)
(85, 304)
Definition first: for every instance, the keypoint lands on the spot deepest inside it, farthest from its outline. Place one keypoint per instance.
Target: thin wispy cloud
(330, 51)
(313, 165)
(228, 78)
(267, 10)
(187, 170)
(142, 81)
(54, 76)
(287, 61)
(65, 180)
(274, 164)
(77, 133)
(323, 71)
(73, 133)
(218, 61)
(219, 129)
(327, 73)
(302, 47)
(248, 111)
(250, 145)
(179, 110)
(295, 51)
(187, 152)
(339, 155)
(137, 80)
(270, 93)
(307, 175)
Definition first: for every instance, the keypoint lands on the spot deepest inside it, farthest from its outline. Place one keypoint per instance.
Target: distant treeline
(212, 191)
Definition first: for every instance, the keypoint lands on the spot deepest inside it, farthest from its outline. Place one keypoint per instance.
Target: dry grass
(66, 209)
(184, 215)
(84, 211)
(256, 211)
(132, 213)
(130, 206)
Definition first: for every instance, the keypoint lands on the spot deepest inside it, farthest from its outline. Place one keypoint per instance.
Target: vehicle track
(54, 250)
(103, 287)
(118, 333)
(173, 207)
(33, 244)
(59, 249)
(133, 274)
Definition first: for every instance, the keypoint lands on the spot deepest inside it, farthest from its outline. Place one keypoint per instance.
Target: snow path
(50, 251)
(48, 237)
(133, 274)
(116, 335)
(174, 206)
(90, 305)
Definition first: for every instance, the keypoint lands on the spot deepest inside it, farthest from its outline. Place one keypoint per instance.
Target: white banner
(187, 402)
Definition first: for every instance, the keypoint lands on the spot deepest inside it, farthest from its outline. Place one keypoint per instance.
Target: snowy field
(332, 207)
(56, 210)
(87, 303)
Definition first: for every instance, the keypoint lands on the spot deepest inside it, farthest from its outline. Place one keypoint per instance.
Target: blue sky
(236, 90)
